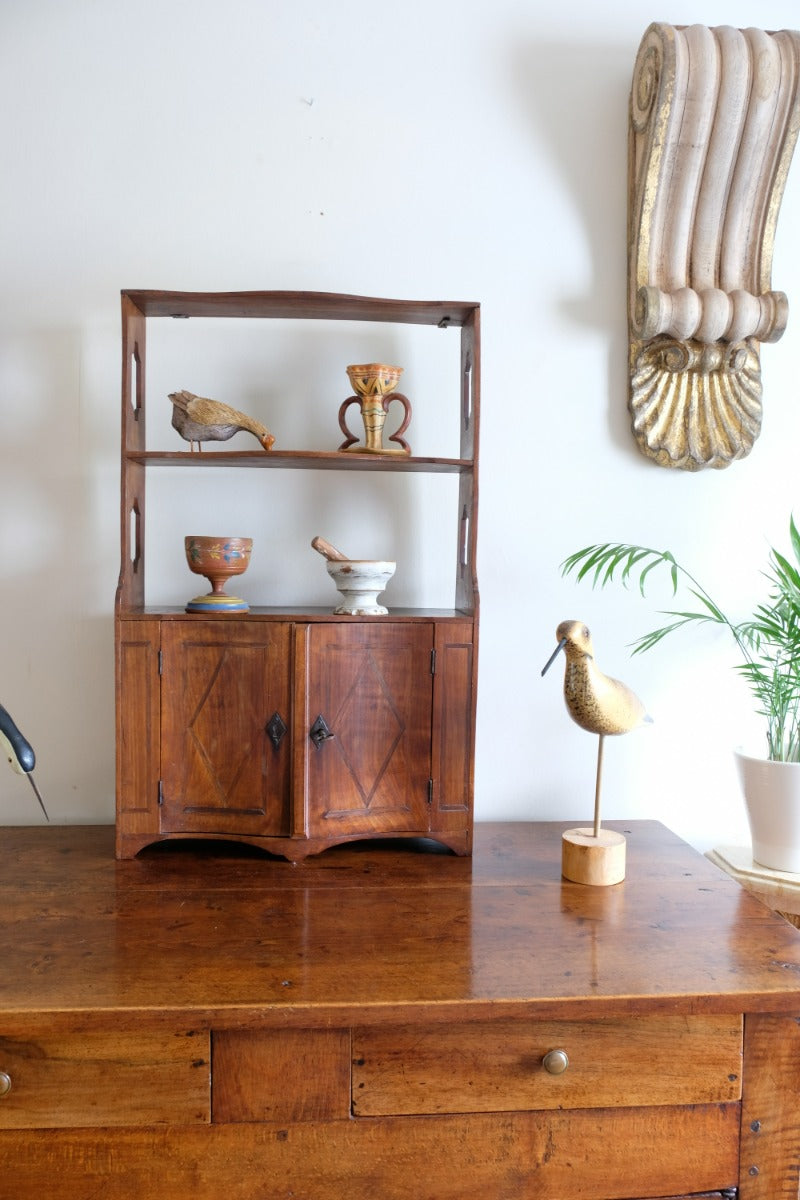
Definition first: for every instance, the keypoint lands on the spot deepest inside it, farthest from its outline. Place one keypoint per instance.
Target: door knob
(555, 1062)
(319, 732)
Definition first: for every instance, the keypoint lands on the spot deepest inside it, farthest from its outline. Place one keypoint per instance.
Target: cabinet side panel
(770, 1108)
(466, 596)
(130, 590)
(138, 725)
(470, 382)
(453, 727)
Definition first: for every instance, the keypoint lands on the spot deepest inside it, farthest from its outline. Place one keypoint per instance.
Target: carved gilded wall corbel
(714, 117)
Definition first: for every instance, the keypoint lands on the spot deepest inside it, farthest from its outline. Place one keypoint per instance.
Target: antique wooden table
(389, 1023)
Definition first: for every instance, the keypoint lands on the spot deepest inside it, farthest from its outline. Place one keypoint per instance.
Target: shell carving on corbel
(714, 117)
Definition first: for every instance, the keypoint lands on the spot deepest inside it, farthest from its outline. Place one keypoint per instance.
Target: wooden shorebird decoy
(605, 706)
(19, 752)
(198, 419)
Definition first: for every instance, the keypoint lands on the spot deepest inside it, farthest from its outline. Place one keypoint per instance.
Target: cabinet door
(372, 685)
(225, 711)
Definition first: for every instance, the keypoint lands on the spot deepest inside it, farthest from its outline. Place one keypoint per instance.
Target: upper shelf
(309, 459)
(302, 305)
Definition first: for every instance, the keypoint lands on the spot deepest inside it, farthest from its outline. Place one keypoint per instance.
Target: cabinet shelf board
(284, 612)
(312, 460)
(324, 306)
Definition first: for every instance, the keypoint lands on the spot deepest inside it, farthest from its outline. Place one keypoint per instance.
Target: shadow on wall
(57, 656)
(576, 99)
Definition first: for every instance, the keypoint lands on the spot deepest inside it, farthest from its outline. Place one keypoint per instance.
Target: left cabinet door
(225, 737)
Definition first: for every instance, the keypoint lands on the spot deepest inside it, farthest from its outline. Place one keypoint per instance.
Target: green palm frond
(768, 642)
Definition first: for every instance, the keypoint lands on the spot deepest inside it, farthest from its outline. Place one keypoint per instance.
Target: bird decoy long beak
(38, 794)
(554, 656)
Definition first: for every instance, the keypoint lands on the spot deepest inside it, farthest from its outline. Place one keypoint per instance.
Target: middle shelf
(316, 460)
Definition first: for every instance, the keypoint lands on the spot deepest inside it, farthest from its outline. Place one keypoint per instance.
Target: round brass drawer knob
(5, 1083)
(555, 1062)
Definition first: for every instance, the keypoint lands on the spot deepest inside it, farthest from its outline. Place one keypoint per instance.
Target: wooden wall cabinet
(294, 730)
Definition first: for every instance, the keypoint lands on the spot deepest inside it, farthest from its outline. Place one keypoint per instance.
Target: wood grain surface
(206, 1021)
(224, 936)
(599, 1155)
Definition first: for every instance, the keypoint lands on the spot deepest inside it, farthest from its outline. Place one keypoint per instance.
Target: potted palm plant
(768, 645)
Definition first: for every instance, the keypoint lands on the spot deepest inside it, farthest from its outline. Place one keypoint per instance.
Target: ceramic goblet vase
(218, 558)
(374, 385)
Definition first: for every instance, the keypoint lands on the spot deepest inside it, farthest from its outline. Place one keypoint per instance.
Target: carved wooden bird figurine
(200, 420)
(596, 702)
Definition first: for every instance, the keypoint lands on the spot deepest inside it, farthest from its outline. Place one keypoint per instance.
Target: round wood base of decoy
(598, 860)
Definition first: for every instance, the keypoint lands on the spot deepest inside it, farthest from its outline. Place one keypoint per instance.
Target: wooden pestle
(328, 551)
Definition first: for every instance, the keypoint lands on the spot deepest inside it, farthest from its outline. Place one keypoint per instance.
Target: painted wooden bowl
(218, 559)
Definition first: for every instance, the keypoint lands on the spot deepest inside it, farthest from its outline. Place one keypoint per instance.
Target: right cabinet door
(369, 764)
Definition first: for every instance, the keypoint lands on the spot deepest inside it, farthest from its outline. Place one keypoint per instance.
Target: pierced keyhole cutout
(133, 536)
(462, 553)
(136, 383)
(467, 393)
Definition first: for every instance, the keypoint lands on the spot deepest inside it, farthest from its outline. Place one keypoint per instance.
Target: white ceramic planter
(772, 799)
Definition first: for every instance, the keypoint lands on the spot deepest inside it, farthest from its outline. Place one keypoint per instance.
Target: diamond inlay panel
(224, 750)
(220, 767)
(367, 751)
(373, 685)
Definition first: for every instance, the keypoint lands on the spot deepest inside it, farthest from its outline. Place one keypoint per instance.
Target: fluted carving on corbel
(714, 116)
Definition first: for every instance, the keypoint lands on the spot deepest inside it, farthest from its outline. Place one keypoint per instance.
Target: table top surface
(223, 935)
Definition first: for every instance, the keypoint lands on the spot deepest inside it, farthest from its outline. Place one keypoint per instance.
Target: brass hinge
(433, 662)
(160, 661)
(430, 791)
(160, 792)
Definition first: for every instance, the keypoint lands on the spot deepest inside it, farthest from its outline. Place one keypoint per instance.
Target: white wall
(422, 150)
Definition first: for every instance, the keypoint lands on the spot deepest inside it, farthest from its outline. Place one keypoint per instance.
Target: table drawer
(97, 1079)
(502, 1066)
